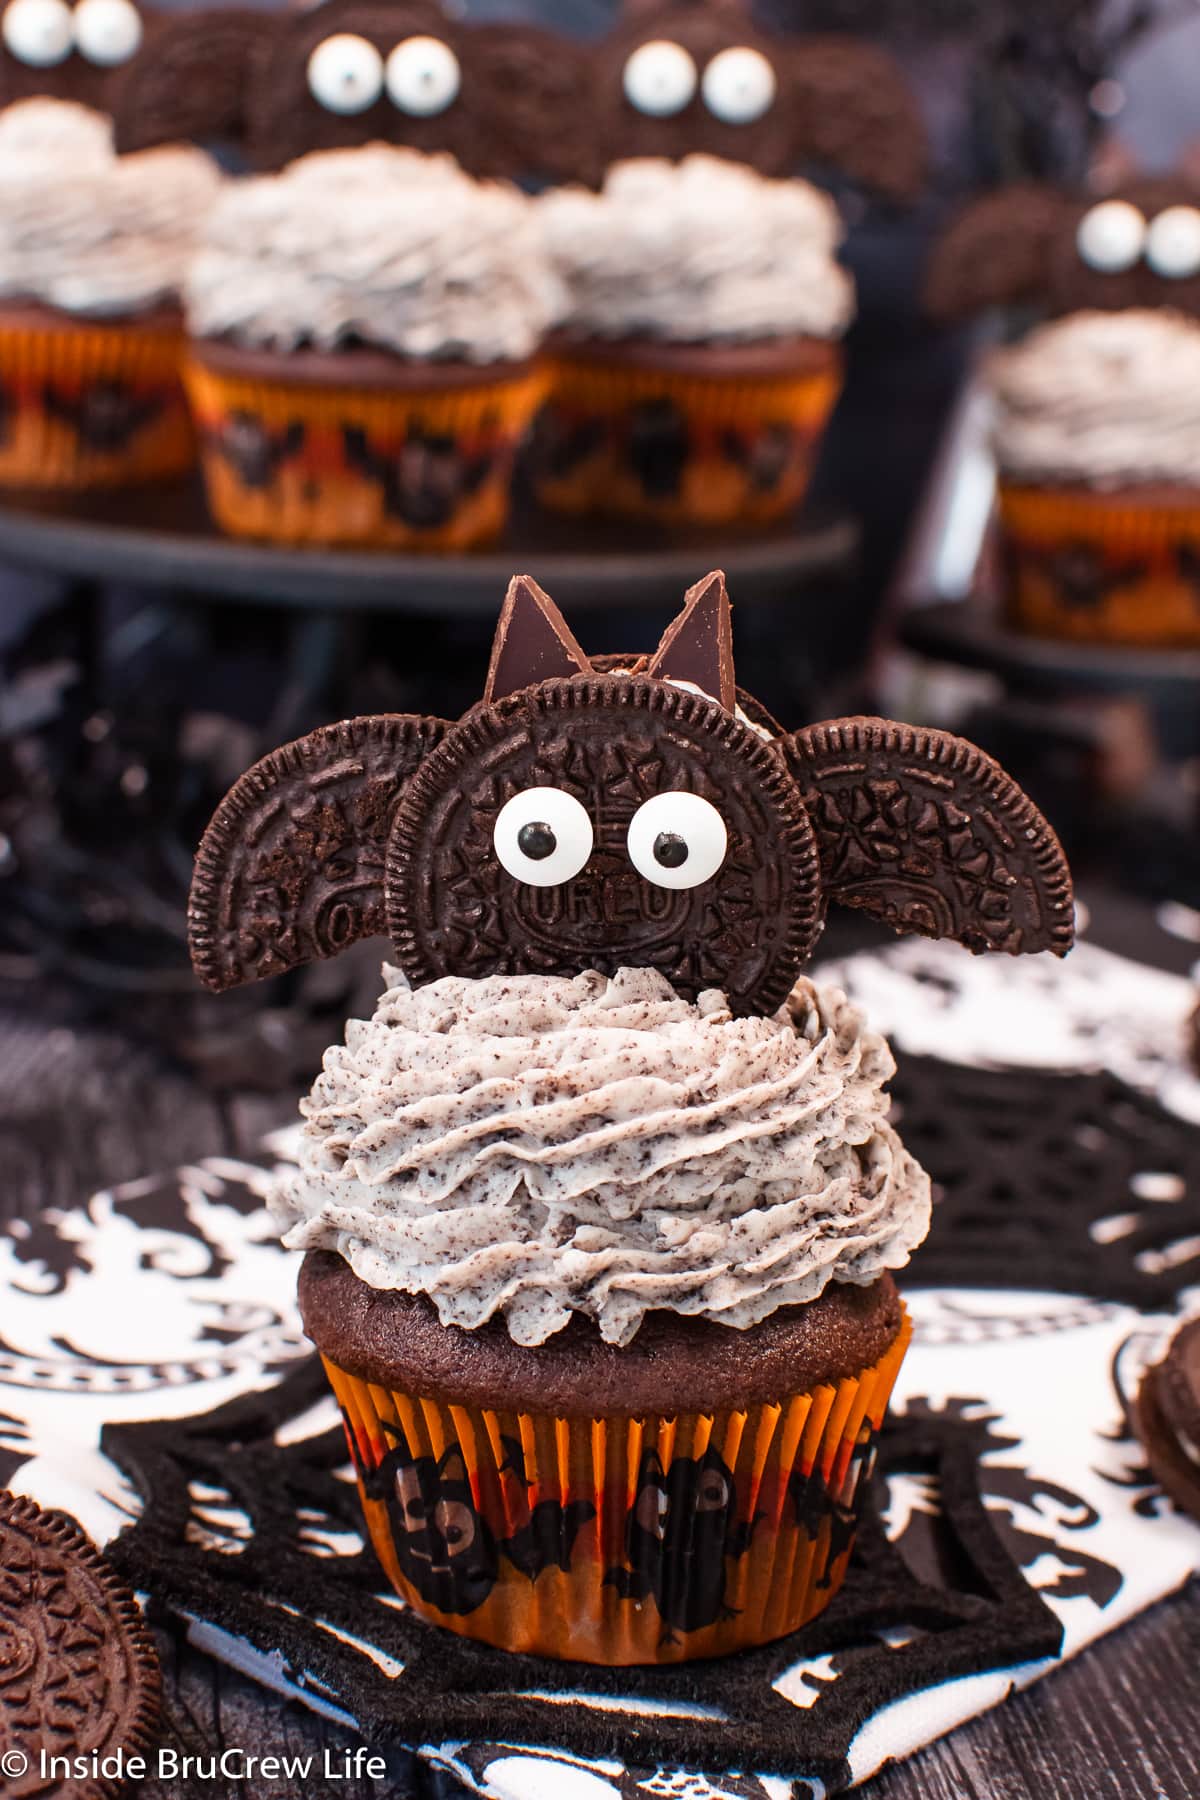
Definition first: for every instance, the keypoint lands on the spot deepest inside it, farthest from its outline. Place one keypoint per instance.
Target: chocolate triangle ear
(190, 78)
(997, 251)
(853, 109)
(697, 646)
(926, 832)
(533, 643)
(290, 869)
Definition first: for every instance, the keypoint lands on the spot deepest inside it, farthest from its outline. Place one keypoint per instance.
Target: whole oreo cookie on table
(79, 1677)
(588, 817)
(1166, 1415)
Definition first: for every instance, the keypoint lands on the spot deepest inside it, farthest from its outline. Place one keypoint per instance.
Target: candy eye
(660, 78)
(738, 85)
(1111, 236)
(423, 76)
(542, 836)
(677, 840)
(38, 32)
(107, 32)
(1173, 242)
(345, 73)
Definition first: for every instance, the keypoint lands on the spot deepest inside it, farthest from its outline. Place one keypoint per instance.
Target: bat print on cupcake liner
(614, 812)
(682, 1526)
(445, 1546)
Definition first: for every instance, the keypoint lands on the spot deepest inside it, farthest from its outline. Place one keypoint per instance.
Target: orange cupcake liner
(1117, 568)
(617, 1540)
(679, 448)
(305, 463)
(85, 404)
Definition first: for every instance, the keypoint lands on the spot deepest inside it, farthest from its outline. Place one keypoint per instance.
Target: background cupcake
(1097, 441)
(92, 250)
(365, 329)
(698, 359)
(1097, 433)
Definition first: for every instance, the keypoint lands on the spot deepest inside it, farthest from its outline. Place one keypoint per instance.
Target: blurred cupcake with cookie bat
(700, 358)
(364, 362)
(92, 251)
(1097, 409)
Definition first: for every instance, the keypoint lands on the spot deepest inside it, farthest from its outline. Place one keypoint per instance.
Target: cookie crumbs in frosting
(535, 1146)
(378, 246)
(698, 251)
(87, 231)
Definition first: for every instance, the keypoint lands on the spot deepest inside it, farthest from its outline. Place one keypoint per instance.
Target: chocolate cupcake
(600, 1209)
(623, 1257)
(92, 254)
(365, 329)
(698, 360)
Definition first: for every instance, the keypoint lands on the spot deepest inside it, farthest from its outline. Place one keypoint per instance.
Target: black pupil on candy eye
(536, 841)
(670, 850)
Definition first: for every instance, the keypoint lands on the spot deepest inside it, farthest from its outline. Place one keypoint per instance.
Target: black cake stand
(162, 537)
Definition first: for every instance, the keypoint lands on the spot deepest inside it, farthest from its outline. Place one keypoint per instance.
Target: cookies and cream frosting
(378, 246)
(698, 251)
(535, 1146)
(87, 231)
(1106, 399)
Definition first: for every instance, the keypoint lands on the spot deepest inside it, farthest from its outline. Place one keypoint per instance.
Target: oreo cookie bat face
(504, 99)
(52, 50)
(675, 79)
(601, 822)
(1137, 246)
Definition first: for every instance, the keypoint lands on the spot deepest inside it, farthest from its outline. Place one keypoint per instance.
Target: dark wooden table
(81, 1109)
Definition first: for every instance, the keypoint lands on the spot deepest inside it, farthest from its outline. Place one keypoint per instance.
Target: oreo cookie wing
(853, 110)
(997, 251)
(190, 78)
(925, 832)
(290, 869)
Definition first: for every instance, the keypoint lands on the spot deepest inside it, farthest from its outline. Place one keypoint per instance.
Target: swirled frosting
(376, 246)
(1102, 398)
(698, 251)
(85, 230)
(536, 1146)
